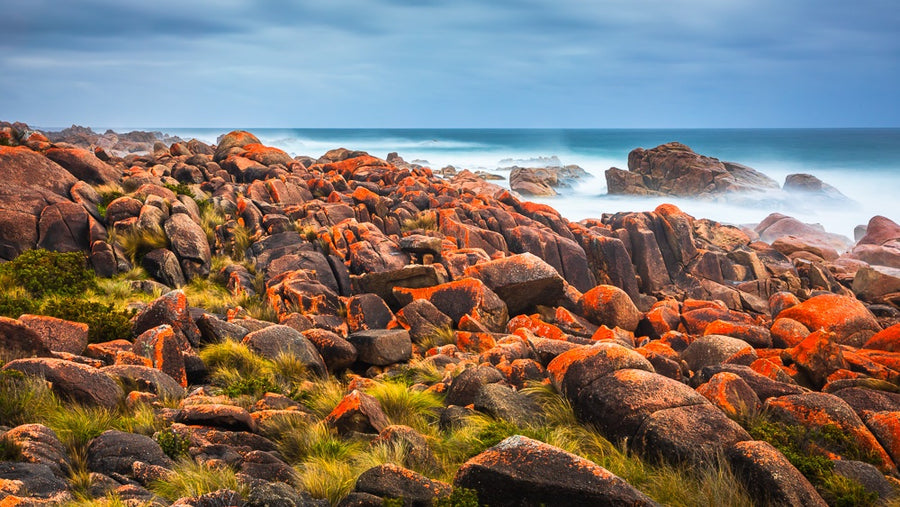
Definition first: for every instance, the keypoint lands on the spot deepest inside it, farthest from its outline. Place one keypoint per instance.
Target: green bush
(42, 272)
(460, 497)
(12, 306)
(254, 386)
(105, 322)
(174, 445)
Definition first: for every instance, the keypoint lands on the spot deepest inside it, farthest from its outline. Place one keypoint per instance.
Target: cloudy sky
(451, 63)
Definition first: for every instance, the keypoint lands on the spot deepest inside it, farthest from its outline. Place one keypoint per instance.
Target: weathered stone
(72, 380)
(574, 370)
(392, 481)
(769, 477)
(367, 311)
(694, 434)
(337, 352)
(522, 281)
(423, 319)
(113, 452)
(358, 412)
(610, 306)
(58, 335)
(20, 340)
(162, 265)
(144, 379)
(172, 309)
(731, 394)
(165, 351)
(501, 402)
(466, 386)
(711, 350)
(521, 468)
(463, 297)
(39, 444)
(273, 340)
(190, 245)
(32, 480)
(381, 347)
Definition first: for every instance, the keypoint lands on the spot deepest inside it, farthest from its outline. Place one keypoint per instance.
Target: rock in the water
(521, 469)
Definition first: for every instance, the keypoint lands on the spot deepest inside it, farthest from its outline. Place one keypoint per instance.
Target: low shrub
(42, 272)
(174, 445)
(459, 497)
(105, 322)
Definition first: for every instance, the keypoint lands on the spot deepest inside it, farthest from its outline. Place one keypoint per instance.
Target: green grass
(24, 399)
(239, 372)
(416, 409)
(191, 479)
(9, 450)
(138, 243)
(425, 220)
(173, 444)
(438, 337)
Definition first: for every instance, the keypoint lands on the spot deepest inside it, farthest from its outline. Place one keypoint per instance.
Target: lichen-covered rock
(468, 296)
(466, 386)
(769, 477)
(521, 468)
(392, 481)
(72, 380)
(357, 412)
(190, 245)
(20, 340)
(522, 281)
(165, 351)
(851, 322)
(59, 335)
(576, 369)
(113, 452)
(39, 444)
(337, 352)
(146, 379)
(273, 340)
(610, 306)
(731, 394)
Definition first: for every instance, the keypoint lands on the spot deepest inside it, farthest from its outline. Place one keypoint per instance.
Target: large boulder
(31, 182)
(467, 297)
(39, 444)
(610, 306)
(851, 322)
(522, 281)
(769, 477)
(520, 471)
(84, 165)
(114, 452)
(674, 169)
(19, 340)
(273, 340)
(190, 245)
(381, 347)
(72, 380)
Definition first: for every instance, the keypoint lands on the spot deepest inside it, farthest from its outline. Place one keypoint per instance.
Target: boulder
(337, 352)
(273, 340)
(84, 165)
(711, 350)
(731, 394)
(227, 417)
(18, 339)
(468, 296)
(851, 322)
(502, 402)
(423, 319)
(619, 403)
(189, 243)
(576, 369)
(172, 309)
(466, 386)
(381, 347)
(521, 468)
(357, 412)
(533, 181)
(610, 306)
(777, 225)
(419, 454)
(72, 380)
(769, 477)
(695, 434)
(818, 356)
(67, 227)
(162, 265)
(392, 481)
(114, 452)
(32, 480)
(367, 311)
(877, 284)
(57, 334)
(145, 379)
(165, 351)
(522, 281)
(811, 186)
(39, 444)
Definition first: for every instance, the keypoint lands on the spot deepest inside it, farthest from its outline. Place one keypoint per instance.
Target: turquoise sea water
(864, 164)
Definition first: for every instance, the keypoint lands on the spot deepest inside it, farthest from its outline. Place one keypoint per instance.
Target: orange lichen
(474, 342)
(537, 326)
(887, 340)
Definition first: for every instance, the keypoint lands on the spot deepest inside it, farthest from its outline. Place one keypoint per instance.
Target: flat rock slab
(217, 415)
(522, 471)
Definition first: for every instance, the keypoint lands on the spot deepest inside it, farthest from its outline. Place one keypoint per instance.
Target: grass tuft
(190, 479)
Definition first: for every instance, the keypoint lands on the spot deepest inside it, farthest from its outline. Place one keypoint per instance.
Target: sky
(451, 63)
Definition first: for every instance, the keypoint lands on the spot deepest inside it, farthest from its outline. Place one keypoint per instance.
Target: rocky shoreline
(688, 342)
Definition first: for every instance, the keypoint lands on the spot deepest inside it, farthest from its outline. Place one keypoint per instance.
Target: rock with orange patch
(619, 403)
(817, 410)
(756, 336)
(537, 326)
(164, 350)
(468, 296)
(886, 428)
(466, 385)
(575, 370)
(422, 319)
(520, 469)
(769, 477)
(39, 444)
(265, 155)
(107, 351)
(890, 360)
(227, 417)
(664, 316)
(19, 340)
(696, 321)
(172, 309)
(337, 352)
(610, 306)
(522, 371)
(84, 165)
(357, 412)
(145, 379)
(392, 481)
(474, 342)
(787, 333)
(852, 323)
(522, 281)
(368, 311)
(693, 434)
(381, 347)
(817, 356)
(72, 380)
(711, 350)
(888, 339)
(764, 387)
(730, 394)
(502, 402)
(233, 142)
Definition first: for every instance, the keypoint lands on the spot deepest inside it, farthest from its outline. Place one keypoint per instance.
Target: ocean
(864, 164)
